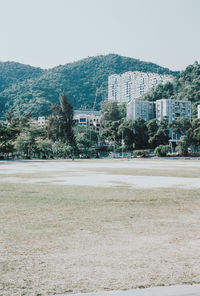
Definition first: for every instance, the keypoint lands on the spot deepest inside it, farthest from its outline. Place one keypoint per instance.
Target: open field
(84, 226)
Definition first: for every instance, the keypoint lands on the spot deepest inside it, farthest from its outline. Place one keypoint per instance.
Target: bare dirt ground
(89, 235)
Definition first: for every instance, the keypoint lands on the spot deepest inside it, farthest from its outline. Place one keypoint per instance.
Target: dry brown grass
(59, 239)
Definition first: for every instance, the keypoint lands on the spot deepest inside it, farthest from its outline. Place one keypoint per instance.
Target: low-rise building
(41, 121)
(91, 119)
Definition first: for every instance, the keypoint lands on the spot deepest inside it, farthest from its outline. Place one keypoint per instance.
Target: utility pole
(122, 144)
(114, 147)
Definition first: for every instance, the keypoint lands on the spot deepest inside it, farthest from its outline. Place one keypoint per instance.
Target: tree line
(139, 134)
(21, 138)
(61, 138)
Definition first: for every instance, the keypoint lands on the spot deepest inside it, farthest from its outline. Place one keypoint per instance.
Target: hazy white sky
(47, 33)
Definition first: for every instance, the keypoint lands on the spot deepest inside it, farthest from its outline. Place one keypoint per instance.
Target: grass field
(62, 238)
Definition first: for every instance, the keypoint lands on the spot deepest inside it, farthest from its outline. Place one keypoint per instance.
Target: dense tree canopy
(186, 86)
(61, 122)
(30, 89)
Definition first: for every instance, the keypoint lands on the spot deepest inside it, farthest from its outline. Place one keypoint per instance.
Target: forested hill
(185, 86)
(12, 72)
(29, 89)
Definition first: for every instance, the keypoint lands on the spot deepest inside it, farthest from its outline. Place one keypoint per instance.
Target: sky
(47, 33)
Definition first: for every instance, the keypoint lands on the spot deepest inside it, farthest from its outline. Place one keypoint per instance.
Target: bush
(141, 153)
(62, 150)
(183, 146)
(161, 150)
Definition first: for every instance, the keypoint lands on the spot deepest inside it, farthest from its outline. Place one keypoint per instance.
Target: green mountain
(12, 72)
(29, 89)
(185, 86)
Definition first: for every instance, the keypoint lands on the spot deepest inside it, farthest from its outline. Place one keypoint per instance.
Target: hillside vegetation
(29, 89)
(185, 86)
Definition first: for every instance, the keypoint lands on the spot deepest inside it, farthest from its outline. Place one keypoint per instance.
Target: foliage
(183, 146)
(62, 149)
(193, 133)
(126, 132)
(30, 89)
(162, 150)
(85, 138)
(186, 86)
(12, 73)
(158, 134)
(6, 140)
(110, 111)
(61, 122)
(22, 138)
(141, 153)
(43, 147)
(110, 131)
(23, 143)
(181, 126)
(140, 133)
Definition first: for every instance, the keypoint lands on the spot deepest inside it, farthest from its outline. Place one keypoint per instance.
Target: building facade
(172, 109)
(198, 111)
(89, 119)
(133, 85)
(138, 108)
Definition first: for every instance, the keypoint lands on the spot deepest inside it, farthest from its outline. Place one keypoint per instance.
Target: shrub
(141, 153)
(183, 146)
(161, 150)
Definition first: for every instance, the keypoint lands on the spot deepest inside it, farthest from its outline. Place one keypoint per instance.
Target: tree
(181, 126)
(126, 131)
(60, 125)
(161, 137)
(9, 115)
(62, 149)
(110, 131)
(194, 132)
(140, 133)
(6, 141)
(85, 138)
(23, 143)
(44, 147)
(152, 127)
(162, 150)
(183, 146)
(111, 111)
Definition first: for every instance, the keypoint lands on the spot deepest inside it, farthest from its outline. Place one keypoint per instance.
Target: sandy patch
(82, 173)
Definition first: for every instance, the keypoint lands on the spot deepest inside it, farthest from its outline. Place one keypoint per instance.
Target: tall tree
(181, 126)
(61, 122)
(161, 136)
(140, 133)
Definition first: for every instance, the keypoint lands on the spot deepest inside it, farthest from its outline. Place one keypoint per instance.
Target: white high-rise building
(138, 108)
(172, 109)
(198, 110)
(133, 85)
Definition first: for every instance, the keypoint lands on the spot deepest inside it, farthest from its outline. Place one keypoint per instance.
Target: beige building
(41, 121)
(90, 119)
